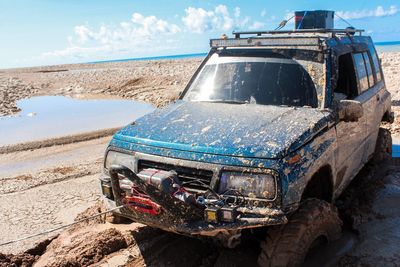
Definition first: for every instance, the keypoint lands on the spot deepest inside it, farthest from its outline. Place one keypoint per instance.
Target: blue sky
(43, 32)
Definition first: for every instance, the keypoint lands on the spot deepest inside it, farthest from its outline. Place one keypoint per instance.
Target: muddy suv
(267, 134)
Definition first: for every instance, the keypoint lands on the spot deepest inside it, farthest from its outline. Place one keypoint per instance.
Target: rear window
(361, 71)
(375, 60)
(369, 69)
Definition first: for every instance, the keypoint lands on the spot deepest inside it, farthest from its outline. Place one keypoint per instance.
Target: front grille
(195, 180)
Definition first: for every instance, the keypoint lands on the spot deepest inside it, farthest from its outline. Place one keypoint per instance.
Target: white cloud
(199, 20)
(237, 12)
(379, 11)
(138, 27)
(127, 38)
(145, 35)
(227, 21)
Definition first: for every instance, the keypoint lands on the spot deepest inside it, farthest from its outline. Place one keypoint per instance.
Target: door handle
(378, 98)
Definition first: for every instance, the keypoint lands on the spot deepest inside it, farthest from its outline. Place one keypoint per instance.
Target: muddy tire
(383, 147)
(288, 245)
(115, 218)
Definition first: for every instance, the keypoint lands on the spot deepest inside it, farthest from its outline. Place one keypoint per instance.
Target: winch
(217, 208)
(165, 181)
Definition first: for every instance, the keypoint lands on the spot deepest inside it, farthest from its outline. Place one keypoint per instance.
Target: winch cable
(60, 227)
(283, 23)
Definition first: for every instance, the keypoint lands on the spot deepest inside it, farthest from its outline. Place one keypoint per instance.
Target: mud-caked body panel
(292, 144)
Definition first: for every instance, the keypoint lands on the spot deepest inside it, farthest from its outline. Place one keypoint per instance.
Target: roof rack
(310, 42)
(348, 31)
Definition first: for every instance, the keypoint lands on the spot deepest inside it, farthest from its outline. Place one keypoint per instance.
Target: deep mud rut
(369, 208)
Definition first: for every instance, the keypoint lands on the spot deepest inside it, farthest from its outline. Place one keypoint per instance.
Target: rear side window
(361, 71)
(375, 60)
(369, 69)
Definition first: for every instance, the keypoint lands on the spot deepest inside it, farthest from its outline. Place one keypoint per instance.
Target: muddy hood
(251, 131)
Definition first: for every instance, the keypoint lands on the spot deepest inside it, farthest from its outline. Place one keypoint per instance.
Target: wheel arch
(320, 185)
(388, 116)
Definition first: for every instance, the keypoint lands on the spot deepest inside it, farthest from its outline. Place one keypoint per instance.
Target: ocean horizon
(182, 56)
(389, 46)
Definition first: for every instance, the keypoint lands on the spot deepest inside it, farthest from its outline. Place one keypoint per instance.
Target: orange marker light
(294, 159)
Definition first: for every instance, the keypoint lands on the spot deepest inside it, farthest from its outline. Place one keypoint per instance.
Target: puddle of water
(329, 255)
(47, 117)
(396, 147)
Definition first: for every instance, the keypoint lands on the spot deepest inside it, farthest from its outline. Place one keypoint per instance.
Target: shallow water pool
(395, 146)
(45, 117)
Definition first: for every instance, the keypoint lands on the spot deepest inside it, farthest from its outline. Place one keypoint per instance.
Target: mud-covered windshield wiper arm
(228, 101)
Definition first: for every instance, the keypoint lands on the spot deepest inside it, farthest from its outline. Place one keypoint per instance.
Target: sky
(47, 32)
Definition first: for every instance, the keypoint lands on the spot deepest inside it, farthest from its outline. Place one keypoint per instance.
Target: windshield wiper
(227, 101)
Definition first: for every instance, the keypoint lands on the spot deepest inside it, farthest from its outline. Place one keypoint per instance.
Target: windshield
(255, 80)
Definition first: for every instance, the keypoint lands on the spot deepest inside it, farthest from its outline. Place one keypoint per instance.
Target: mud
(98, 243)
(27, 258)
(370, 209)
(45, 188)
(356, 202)
(82, 248)
(25, 182)
(22, 260)
(57, 141)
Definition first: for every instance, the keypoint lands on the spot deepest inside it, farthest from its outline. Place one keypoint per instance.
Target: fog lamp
(107, 190)
(228, 214)
(211, 214)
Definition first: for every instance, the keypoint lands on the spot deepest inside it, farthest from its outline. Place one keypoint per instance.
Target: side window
(369, 69)
(346, 85)
(375, 60)
(361, 72)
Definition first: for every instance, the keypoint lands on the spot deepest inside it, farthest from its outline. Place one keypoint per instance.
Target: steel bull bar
(180, 217)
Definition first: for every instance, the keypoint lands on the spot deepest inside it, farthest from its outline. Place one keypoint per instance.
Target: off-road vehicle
(267, 134)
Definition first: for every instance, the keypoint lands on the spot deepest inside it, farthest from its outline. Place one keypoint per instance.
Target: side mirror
(350, 110)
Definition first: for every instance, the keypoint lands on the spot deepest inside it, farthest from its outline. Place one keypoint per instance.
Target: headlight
(251, 185)
(120, 159)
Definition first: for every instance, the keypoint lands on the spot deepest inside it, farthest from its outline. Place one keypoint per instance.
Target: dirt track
(47, 187)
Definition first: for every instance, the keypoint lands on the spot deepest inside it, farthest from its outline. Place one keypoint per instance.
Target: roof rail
(348, 31)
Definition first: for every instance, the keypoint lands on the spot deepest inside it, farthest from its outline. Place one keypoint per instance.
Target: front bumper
(179, 217)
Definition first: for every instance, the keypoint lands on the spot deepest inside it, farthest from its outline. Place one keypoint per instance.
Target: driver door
(350, 135)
